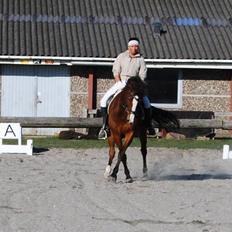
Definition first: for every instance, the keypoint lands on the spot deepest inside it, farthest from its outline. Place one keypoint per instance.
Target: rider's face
(133, 50)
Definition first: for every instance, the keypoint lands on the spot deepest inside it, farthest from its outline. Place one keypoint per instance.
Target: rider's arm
(143, 69)
(117, 68)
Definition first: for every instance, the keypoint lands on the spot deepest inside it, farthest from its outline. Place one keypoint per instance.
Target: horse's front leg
(117, 140)
(111, 155)
(122, 156)
(126, 170)
(115, 170)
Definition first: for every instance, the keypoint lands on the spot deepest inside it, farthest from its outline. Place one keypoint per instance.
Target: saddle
(111, 99)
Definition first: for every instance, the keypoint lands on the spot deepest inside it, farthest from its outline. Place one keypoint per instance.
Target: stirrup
(102, 134)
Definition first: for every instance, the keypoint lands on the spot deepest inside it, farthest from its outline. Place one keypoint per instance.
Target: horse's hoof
(145, 175)
(145, 171)
(107, 172)
(106, 175)
(129, 180)
(112, 179)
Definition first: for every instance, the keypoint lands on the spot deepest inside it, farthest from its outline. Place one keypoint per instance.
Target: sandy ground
(64, 190)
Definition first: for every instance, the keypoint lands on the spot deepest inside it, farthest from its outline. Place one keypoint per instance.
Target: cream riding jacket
(126, 67)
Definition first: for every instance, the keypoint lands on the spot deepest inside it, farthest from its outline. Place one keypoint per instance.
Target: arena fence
(72, 122)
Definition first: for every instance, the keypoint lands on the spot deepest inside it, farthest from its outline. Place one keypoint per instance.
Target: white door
(18, 92)
(35, 91)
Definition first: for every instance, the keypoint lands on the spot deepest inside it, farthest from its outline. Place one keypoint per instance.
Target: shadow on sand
(39, 150)
(222, 176)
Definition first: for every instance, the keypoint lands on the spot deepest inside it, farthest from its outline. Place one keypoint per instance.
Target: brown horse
(125, 120)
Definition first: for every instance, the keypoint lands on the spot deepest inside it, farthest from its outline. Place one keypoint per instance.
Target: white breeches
(118, 86)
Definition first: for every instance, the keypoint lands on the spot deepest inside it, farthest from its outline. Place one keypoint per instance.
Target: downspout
(91, 91)
(230, 109)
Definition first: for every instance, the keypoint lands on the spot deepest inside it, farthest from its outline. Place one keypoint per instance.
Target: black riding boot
(102, 133)
(148, 121)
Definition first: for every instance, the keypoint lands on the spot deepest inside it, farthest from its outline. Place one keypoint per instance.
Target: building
(56, 55)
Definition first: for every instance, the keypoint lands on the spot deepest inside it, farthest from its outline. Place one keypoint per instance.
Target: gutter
(57, 58)
(189, 63)
(94, 61)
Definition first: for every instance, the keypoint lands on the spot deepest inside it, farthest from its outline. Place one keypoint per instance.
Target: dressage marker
(227, 154)
(13, 131)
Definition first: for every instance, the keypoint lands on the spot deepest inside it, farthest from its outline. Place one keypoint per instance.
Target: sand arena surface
(64, 190)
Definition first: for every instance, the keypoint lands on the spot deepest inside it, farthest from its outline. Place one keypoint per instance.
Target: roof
(168, 29)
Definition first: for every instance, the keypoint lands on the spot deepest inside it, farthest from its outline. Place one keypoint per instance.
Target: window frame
(179, 95)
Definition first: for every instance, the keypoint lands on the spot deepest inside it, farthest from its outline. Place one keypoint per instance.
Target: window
(165, 87)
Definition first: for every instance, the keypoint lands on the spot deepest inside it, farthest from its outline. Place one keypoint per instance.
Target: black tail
(164, 119)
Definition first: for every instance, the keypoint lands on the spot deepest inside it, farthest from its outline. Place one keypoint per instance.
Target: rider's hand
(117, 78)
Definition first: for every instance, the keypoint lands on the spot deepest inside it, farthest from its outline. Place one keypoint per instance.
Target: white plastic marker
(230, 155)
(226, 149)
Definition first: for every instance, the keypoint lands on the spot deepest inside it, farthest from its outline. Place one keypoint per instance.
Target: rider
(128, 64)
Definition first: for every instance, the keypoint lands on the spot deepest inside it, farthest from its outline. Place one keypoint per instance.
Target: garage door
(35, 91)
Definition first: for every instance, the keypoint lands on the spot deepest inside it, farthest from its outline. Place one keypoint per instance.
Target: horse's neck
(123, 102)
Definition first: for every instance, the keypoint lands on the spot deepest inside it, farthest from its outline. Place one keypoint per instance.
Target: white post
(29, 146)
(226, 149)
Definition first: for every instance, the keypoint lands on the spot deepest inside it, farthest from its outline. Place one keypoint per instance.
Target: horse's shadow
(191, 177)
(181, 171)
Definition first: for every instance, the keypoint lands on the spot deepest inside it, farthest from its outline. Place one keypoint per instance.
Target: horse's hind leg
(111, 155)
(143, 141)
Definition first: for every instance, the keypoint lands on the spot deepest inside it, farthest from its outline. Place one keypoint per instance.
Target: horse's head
(136, 86)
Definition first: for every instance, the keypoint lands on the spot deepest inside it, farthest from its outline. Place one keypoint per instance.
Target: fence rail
(54, 122)
(71, 122)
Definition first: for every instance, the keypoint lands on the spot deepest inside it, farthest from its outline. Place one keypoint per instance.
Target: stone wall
(207, 90)
(203, 90)
(79, 87)
(78, 96)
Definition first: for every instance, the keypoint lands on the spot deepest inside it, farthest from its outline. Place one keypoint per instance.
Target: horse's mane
(136, 86)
